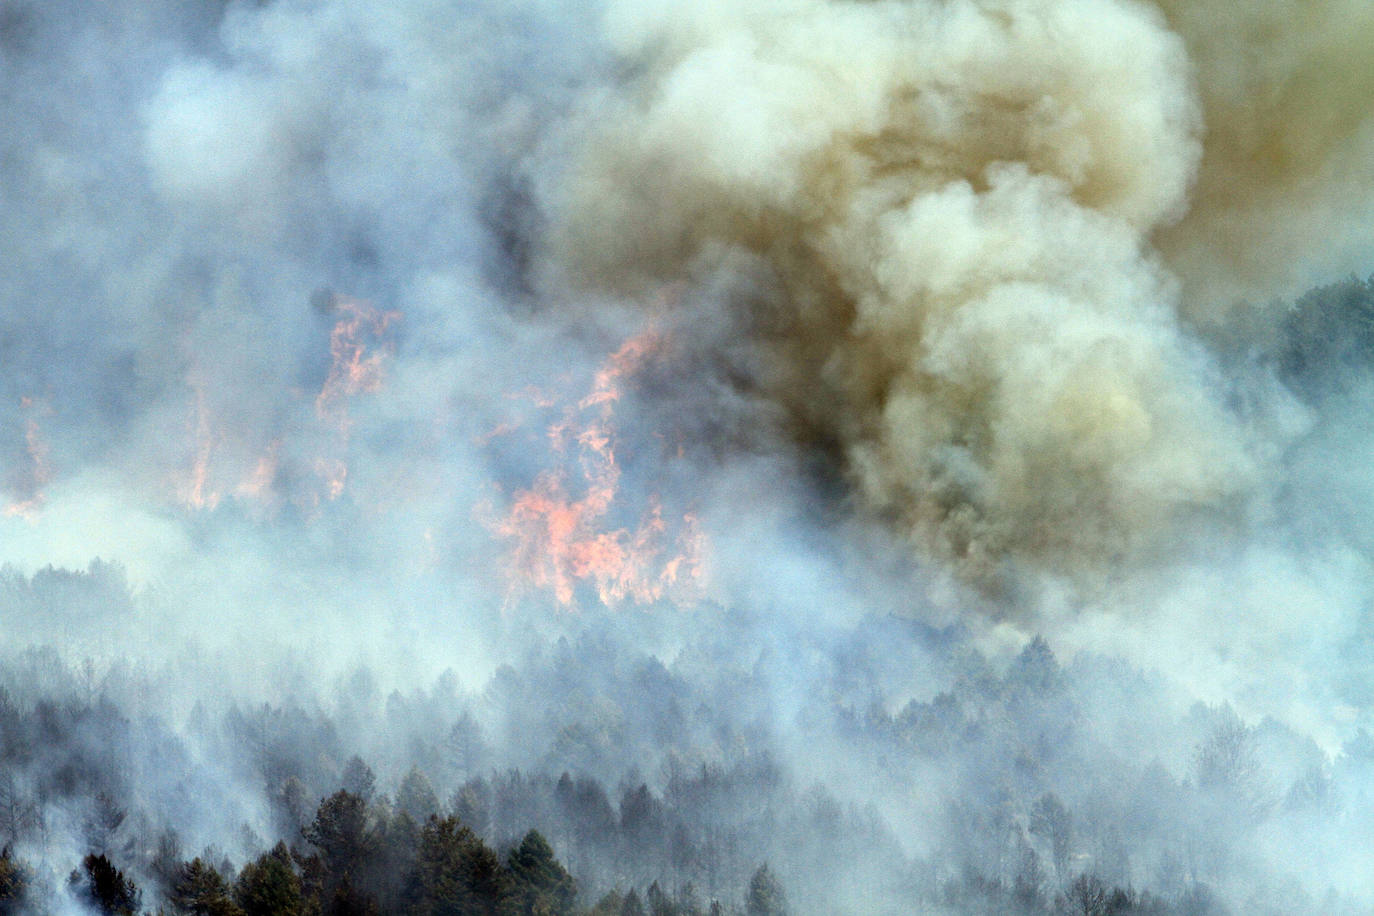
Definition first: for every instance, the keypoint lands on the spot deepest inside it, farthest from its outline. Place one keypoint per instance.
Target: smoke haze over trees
(812, 456)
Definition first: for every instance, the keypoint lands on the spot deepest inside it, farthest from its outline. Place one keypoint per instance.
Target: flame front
(38, 474)
(197, 492)
(558, 540)
(360, 348)
(249, 462)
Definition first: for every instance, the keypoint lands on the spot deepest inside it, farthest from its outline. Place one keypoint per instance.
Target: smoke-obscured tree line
(592, 775)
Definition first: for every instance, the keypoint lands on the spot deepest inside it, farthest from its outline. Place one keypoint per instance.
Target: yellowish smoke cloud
(963, 226)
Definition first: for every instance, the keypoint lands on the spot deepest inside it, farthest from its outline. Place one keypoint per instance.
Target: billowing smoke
(945, 217)
(1280, 201)
(708, 402)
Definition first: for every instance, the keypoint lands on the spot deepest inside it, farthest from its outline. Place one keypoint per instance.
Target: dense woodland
(723, 762)
(184, 173)
(591, 776)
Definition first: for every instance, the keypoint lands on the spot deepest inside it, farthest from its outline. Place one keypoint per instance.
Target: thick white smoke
(974, 269)
(949, 210)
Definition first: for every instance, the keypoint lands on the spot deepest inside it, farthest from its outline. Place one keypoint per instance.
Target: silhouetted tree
(1088, 896)
(1226, 759)
(466, 749)
(541, 884)
(1029, 880)
(349, 900)
(765, 896)
(358, 779)
(659, 903)
(1051, 821)
(105, 887)
(269, 886)
(14, 884)
(292, 805)
(415, 796)
(456, 873)
(631, 906)
(19, 814)
(202, 891)
(472, 804)
(343, 832)
(103, 823)
(608, 905)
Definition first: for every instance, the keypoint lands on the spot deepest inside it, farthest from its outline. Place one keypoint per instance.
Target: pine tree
(14, 883)
(202, 891)
(105, 887)
(415, 797)
(765, 896)
(455, 872)
(343, 832)
(542, 884)
(631, 906)
(270, 886)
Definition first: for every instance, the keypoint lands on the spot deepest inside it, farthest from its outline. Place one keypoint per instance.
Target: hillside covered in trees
(649, 458)
(592, 776)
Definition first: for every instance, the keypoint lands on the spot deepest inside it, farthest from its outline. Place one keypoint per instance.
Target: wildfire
(258, 484)
(242, 462)
(558, 540)
(197, 492)
(200, 489)
(359, 347)
(39, 472)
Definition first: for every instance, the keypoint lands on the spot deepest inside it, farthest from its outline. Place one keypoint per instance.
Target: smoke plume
(1281, 201)
(944, 219)
(671, 425)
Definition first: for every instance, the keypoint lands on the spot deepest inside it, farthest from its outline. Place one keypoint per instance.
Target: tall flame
(243, 463)
(258, 484)
(197, 491)
(359, 347)
(558, 540)
(39, 473)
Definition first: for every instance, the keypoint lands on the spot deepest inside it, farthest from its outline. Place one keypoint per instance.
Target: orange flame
(258, 484)
(197, 492)
(558, 541)
(39, 473)
(223, 464)
(354, 370)
(359, 349)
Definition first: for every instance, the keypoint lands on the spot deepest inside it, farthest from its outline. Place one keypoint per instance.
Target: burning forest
(643, 459)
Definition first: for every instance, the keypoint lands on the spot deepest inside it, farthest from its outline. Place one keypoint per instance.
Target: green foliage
(344, 833)
(269, 886)
(456, 873)
(541, 885)
(14, 884)
(105, 887)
